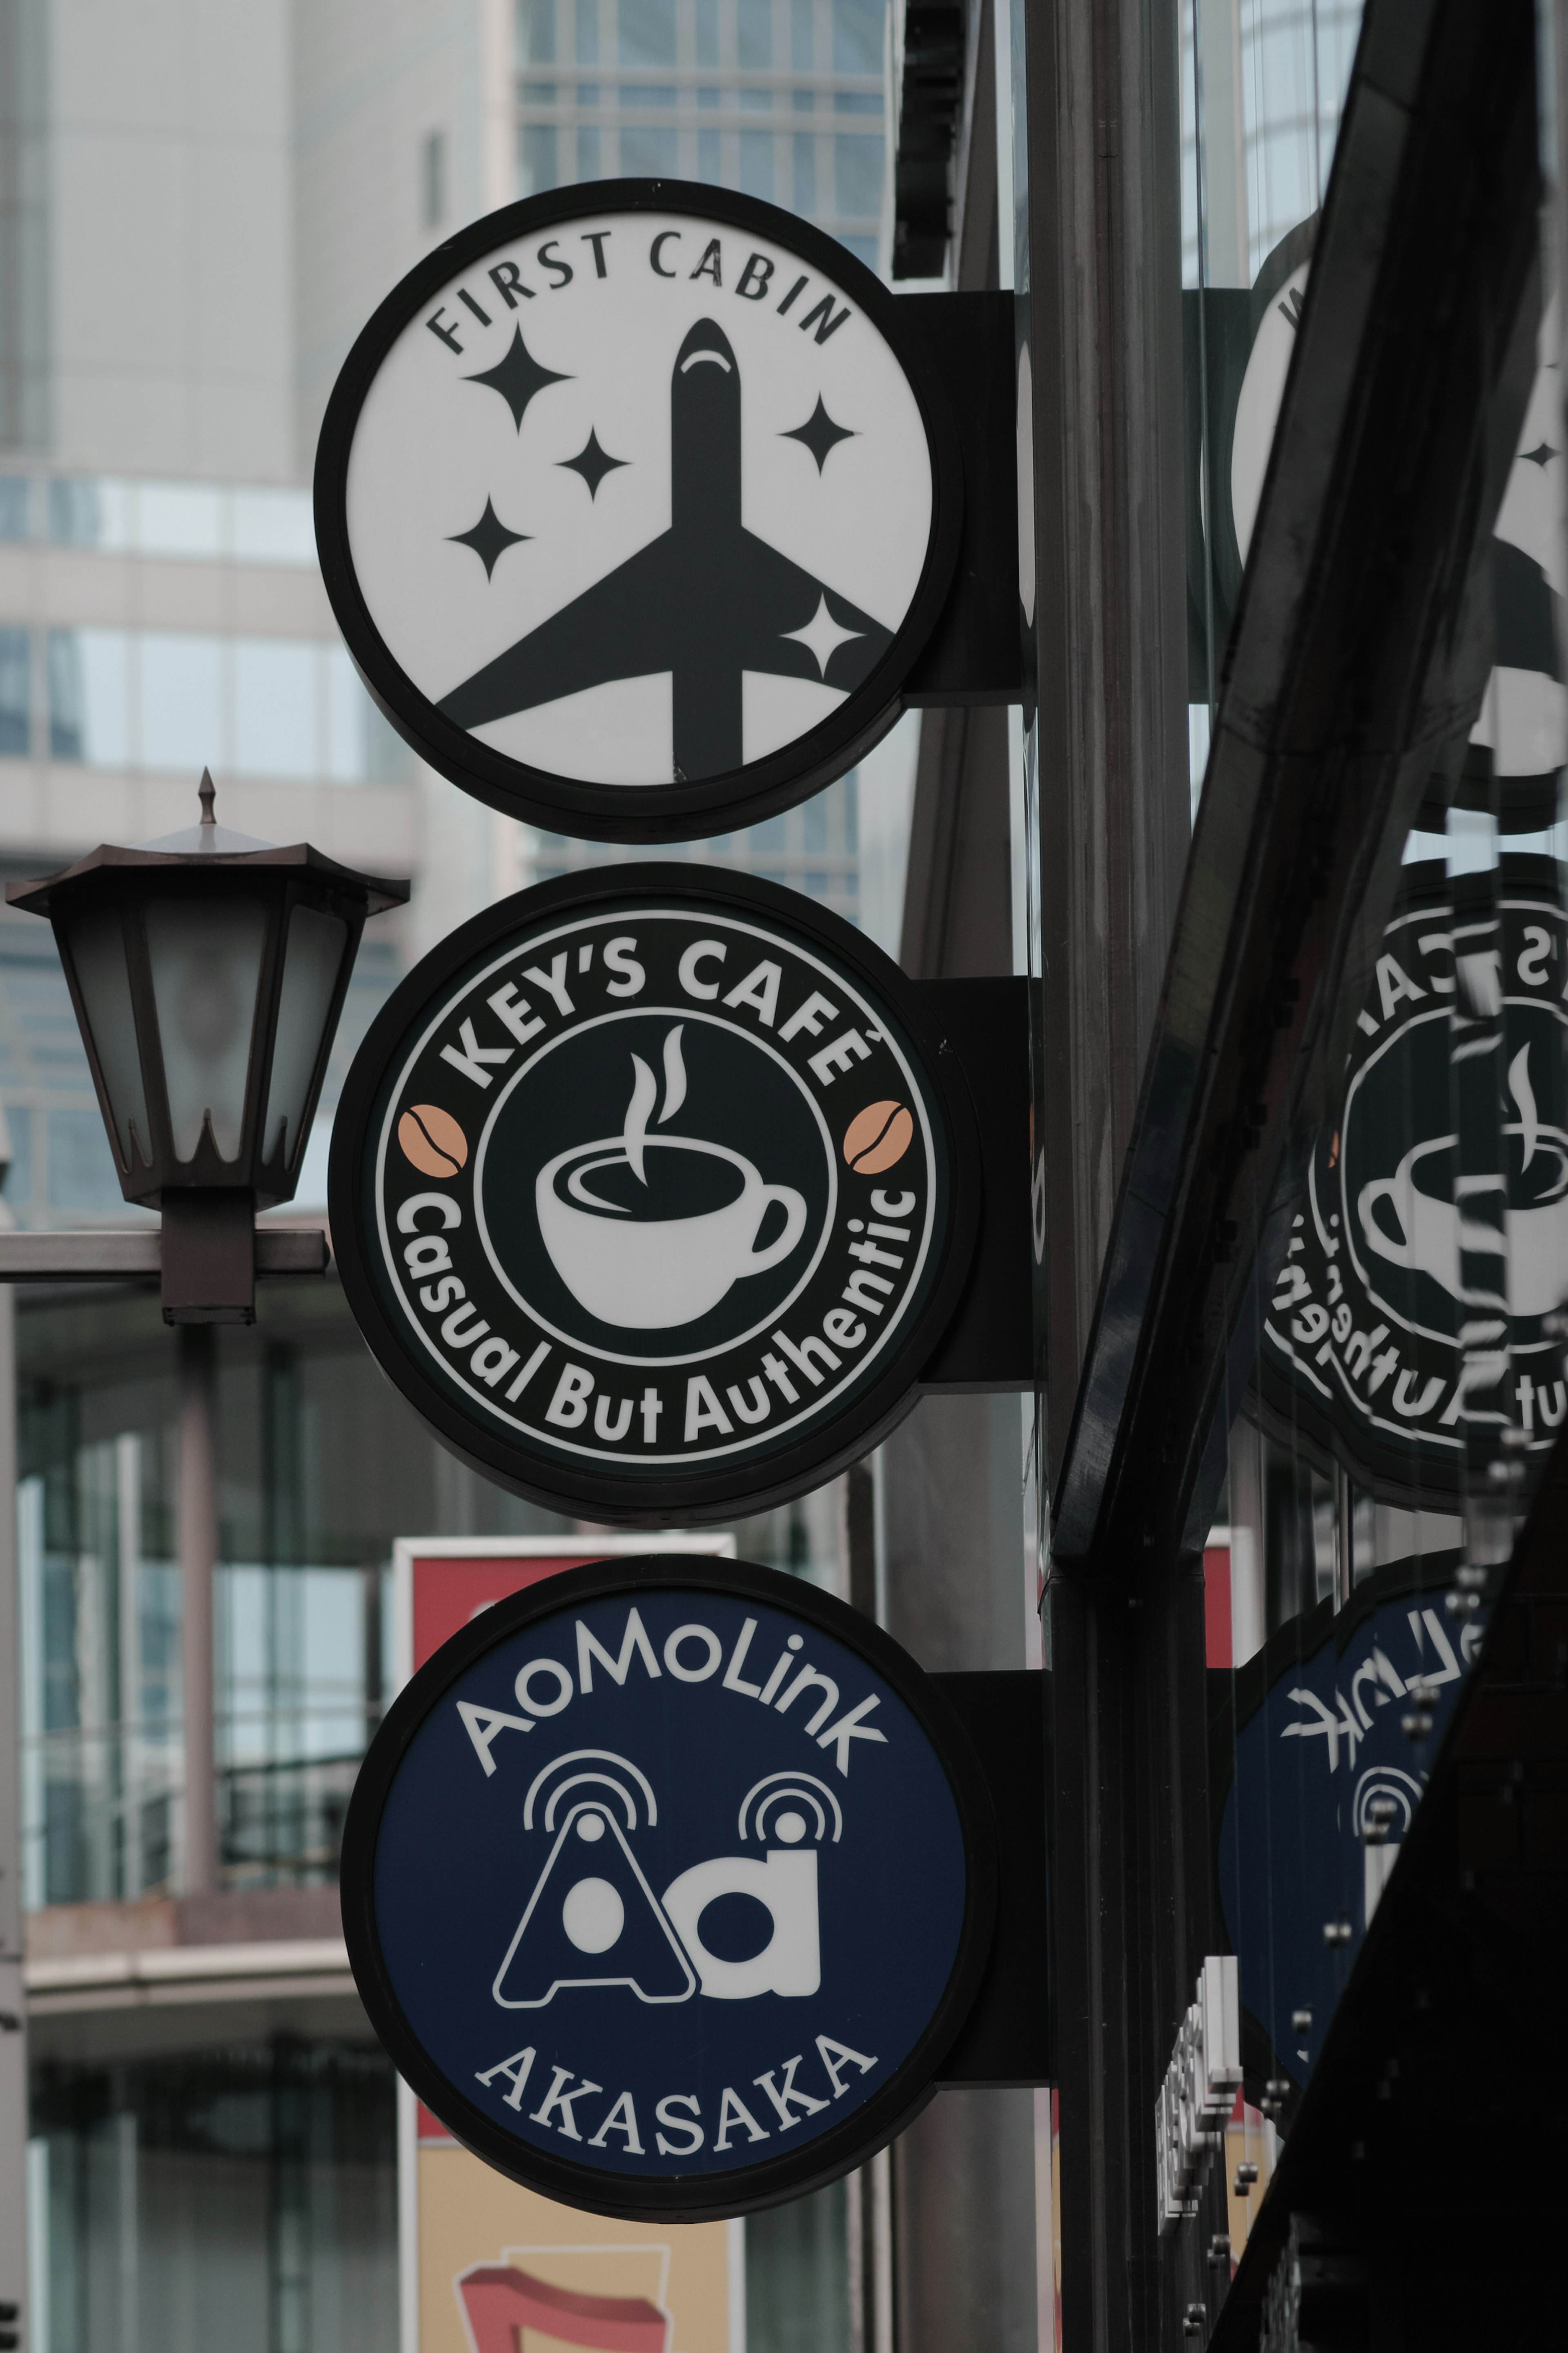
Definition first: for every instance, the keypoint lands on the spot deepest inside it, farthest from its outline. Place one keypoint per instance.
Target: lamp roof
(215, 848)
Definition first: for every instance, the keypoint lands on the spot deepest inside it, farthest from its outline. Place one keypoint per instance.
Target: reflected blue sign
(665, 1897)
(1326, 1782)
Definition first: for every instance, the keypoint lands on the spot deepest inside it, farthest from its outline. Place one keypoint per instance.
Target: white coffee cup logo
(1432, 1232)
(649, 1273)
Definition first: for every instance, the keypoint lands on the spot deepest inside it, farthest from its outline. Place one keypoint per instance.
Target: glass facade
(320, 1469)
(170, 700)
(123, 515)
(1393, 1373)
(1406, 1383)
(242, 2194)
(781, 99)
(246, 2194)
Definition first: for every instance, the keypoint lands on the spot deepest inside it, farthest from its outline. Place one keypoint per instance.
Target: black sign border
(647, 813)
(746, 2190)
(677, 1499)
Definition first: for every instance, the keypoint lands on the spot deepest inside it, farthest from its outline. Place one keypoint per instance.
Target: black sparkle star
(518, 377)
(592, 463)
(1540, 456)
(819, 434)
(489, 539)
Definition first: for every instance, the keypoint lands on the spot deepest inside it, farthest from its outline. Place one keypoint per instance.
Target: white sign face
(637, 498)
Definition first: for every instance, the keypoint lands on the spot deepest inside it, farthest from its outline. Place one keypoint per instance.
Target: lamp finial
(206, 793)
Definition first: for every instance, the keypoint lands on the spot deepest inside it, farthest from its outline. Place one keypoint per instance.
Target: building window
(289, 709)
(433, 178)
(16, 702)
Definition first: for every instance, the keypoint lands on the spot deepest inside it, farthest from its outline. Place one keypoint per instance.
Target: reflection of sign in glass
(667, 1883)
(629, 508)
(1366, 1330)
(1317, 1792)
(646, 1197)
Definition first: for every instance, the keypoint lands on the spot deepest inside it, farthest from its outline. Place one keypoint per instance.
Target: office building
(1274, 844)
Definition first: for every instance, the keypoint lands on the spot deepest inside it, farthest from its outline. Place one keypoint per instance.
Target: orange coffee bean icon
(432, 1141)
(878, 1136)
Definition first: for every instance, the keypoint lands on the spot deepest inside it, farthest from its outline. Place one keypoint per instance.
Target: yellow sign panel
(501, 2270)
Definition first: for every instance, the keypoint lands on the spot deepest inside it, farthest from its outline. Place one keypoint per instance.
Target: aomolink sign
(668, 1886)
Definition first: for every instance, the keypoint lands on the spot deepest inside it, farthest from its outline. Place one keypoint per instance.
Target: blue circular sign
(669, 1885)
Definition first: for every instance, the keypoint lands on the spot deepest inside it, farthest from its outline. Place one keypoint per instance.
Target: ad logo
(592, 1904)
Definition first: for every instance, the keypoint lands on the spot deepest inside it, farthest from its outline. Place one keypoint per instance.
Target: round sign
(667, 1885)
(646, 1195)
(635, 503)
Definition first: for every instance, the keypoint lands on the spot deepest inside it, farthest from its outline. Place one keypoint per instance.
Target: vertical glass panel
(312, 959)
(587, 24)
(857, 31)
(857, 177)
(804, 147)
(206, 971)
(802, 13)
(17, 1184)
(536, 32)
(797, 2275)
(180, 679)
(16, 504)
(755, 32)
(538, 168)
(89, 696)
(275, 707)
(645, 32)
(647, 153)
(181, 519)
(75, 514)
(587, 145)
(96, 945)
(82, 1167)
(273, 526)
(15, 696)
(757, 163)
(706, 21)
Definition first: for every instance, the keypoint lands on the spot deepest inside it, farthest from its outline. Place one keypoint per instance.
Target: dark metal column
(963, 2174)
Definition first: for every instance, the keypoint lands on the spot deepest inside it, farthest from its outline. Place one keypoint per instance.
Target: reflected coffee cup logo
(650, 1233)
(1415, 1218)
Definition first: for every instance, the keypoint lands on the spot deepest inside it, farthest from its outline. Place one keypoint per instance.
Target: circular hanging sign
(646, 1193)
(667, 1885)
(635, 503)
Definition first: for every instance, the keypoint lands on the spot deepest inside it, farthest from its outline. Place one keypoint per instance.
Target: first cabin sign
(635, 505)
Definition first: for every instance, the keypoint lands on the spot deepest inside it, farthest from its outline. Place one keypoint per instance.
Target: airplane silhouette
(705, 600)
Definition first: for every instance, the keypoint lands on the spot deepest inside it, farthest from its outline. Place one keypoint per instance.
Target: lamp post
(207, 972)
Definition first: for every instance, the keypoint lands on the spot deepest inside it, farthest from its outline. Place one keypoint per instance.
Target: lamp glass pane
(206, 971)
(95, 942)
(312, 960)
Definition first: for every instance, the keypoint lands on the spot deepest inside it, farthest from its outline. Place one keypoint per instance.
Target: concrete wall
(171, 291)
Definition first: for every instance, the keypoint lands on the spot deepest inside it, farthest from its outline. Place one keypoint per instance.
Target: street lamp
(207, 972)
